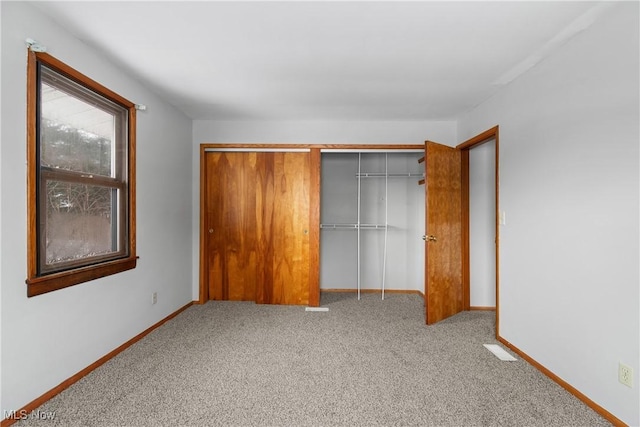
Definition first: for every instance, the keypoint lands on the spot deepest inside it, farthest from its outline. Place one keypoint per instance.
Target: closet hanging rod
(257, 150)
(339, 226)
(374, 226)
(390, 175)
(372, 150)
(352, 226)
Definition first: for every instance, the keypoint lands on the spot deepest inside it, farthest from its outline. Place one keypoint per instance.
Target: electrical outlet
(154, 298)
(625, 374)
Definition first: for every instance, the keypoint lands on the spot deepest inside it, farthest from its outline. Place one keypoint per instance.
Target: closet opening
(371, 221)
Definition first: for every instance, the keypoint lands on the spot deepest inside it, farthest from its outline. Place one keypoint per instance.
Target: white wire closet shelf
(388, 175)
(353, 226)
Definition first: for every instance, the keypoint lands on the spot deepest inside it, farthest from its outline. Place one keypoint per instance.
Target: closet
(278, 223)
(372, 221)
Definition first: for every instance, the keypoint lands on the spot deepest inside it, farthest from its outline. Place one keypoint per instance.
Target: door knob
(210, 230)
(430, 238)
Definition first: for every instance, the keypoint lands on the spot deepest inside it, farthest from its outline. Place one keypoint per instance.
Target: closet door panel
(257, 220)
(235, 183)
(215, 164)
(290, 230)
(262, 213)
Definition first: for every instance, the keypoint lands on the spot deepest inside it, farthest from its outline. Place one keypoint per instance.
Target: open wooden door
(443, 232)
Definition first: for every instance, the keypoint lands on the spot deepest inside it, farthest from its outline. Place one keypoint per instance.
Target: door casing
(465, 147)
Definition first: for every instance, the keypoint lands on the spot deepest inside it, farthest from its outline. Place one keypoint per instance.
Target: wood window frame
(39, 281)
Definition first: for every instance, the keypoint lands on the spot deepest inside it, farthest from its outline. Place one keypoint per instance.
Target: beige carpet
(363, 363)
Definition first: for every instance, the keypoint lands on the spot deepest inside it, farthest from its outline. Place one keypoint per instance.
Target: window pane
(74, 134)
(81, 221)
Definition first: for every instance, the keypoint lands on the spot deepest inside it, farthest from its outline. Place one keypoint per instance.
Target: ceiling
(418, 60)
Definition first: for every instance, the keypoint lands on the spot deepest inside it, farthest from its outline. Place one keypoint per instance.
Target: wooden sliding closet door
(236, 183)
(290, 230)
(257, 221)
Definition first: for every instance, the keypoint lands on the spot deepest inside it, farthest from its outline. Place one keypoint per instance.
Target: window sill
(51, 282)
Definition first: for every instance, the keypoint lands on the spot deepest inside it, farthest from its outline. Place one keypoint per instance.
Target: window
(81, 178)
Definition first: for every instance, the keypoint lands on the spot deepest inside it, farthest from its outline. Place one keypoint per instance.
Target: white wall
(482, 226)
(306, 132)
(569, 184)
(322, 132)
(48, 338)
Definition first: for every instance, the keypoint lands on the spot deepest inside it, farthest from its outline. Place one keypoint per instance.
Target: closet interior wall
(348, 203)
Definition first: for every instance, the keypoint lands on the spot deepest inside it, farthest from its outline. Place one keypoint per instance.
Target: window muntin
(81, 145)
